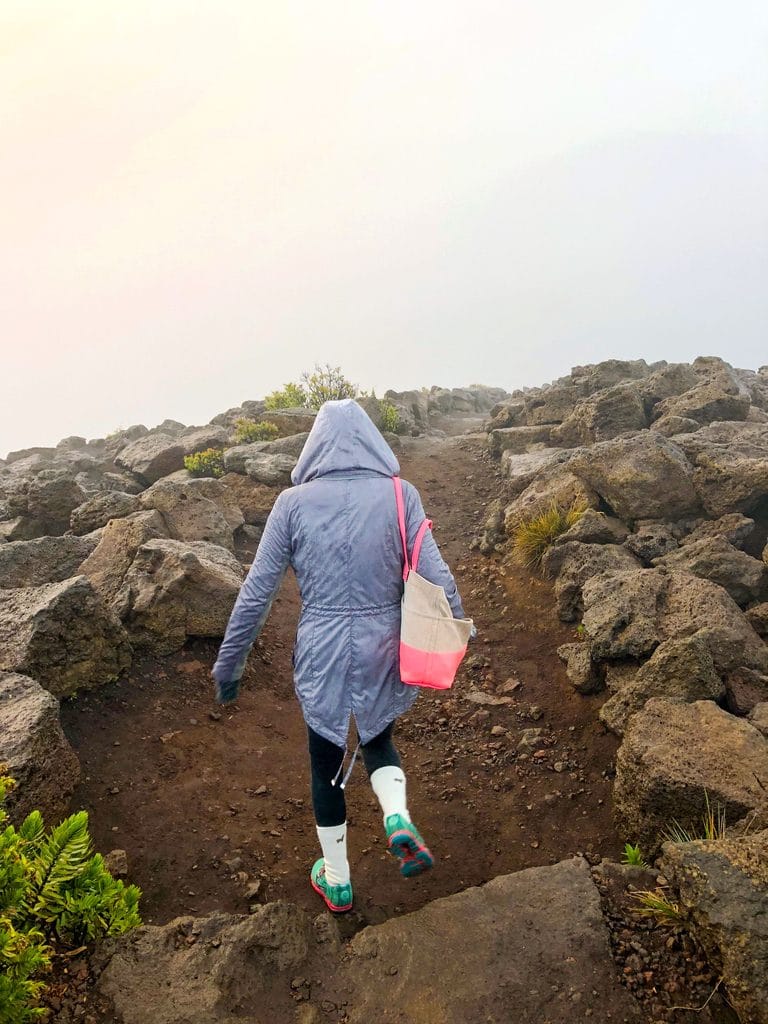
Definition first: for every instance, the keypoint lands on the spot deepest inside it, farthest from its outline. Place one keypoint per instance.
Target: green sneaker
(406, 843)
(338, 898)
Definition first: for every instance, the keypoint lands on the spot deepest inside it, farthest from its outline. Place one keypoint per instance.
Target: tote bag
(432, 642)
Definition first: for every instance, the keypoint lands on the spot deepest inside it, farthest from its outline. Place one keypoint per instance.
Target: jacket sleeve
(431, 565)
(254, 601)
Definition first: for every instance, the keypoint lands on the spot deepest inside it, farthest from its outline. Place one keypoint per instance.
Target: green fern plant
(53, 888)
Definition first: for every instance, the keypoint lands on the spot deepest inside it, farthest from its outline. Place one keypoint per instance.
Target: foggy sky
(201, 200)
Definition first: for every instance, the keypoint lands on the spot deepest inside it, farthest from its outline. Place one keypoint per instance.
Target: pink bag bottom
(428, 668)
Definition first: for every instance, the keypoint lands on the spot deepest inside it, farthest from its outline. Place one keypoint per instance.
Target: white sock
(389, 786)
(333, 842)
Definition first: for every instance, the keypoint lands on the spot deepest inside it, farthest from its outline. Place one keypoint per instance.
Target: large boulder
(189, 513)
(745, 688)
(713, 558)
(645, 476)
(120, 439)
(678, 759)
(602, 416)
(651, 540)
(174, 590)
(678, 670)
(628, 614)
(34, 750)
(554, 485)
(121, 539)
(733, 527)
(730, 466)
(254, 500)
(42, 503)
(200, 439)
(63, 636)
(666, 382)
(622, 613)
(31, 563)
(573, 563)
(528, 947)
(705, 403)
(521, 468)
(219, 969)
(274, 470)
(594, 527)
(98, 510)
(517, 439)
(723, 891)
(554, 404)
(236, 458)
(757, 616)
(152, 457)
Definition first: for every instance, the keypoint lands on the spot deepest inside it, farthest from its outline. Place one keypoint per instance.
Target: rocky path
(510, 770)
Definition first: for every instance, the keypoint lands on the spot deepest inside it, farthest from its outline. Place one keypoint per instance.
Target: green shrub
(656, 904)
(247, 431)
(533, 535)
(207, 463)
(326, 384)
(292, 396)
(53, 888)
(390, 418)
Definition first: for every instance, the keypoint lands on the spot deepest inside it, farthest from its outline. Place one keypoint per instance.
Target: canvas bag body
(432, 642)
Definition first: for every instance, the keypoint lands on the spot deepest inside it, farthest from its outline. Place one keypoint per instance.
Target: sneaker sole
(415, 858)
(331, 906)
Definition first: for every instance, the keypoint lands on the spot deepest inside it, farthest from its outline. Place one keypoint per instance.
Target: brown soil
(205, 801)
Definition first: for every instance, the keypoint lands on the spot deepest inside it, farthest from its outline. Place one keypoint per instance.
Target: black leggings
(325, 759)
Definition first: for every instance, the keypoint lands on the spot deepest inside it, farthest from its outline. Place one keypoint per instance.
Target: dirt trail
(205, 802)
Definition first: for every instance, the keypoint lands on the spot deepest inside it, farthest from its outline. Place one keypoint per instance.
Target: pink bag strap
(426, 525)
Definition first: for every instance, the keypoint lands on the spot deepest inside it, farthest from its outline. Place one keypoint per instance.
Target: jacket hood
(344, 438)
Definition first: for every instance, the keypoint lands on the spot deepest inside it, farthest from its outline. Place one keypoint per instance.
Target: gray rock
(678, 670)
(152, 457)
(116, 863)
(200, 439)
(554, 484)
(645, 476)
(676, 756)
(572, 564)
(622, 613)
(35, 751)
(522, 468)
(62, 636)
(554, 404)
(713, 558)
(667, 382)
(121, 539)
(98, 510)
(492, 535)
(120, 439)
(595, 527)
(650, 541)
(189, 514)
(219, 969)
(174, 590)
(517, 439)
(51, 498)
(730, 466)
(31, 563)
(274, 470)
(254, 500)
(706, 403)
(528, 947)
(671, 426)
(235, 459)
(530, 740)
(733, 527)
(602, 416)
(581, 670)
(723, 888)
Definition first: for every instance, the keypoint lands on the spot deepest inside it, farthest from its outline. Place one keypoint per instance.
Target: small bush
(53, 888)
(534, 535)
(326, 384)
(390, 418)
(247, 431)
(207, 463)
(633, 855)
(292, 396)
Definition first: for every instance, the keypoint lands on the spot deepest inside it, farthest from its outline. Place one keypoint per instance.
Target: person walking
(338, 529)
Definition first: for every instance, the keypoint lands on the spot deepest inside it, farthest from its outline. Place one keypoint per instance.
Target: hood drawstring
(349, 770)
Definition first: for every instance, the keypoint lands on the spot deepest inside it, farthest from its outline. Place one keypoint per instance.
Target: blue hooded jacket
(338, 529)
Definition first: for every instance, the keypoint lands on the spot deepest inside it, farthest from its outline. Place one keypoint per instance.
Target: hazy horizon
(201, 203)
